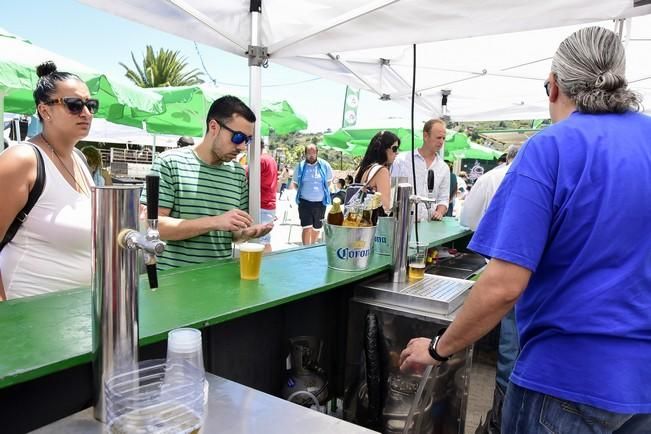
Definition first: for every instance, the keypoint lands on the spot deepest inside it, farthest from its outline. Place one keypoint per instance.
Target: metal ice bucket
(349, 248)
(384, 236)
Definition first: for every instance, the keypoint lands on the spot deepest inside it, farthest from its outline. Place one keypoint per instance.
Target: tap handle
(153, 182)
(152, 275)
(430, 181)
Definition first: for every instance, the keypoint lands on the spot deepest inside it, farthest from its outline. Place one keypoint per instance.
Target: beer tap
(149, 242)
(402, 206)
(431, 196)
(114, 247)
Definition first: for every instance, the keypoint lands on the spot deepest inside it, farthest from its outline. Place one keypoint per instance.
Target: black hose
(373, 371)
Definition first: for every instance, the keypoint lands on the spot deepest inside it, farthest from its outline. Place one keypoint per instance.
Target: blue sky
(101, 41)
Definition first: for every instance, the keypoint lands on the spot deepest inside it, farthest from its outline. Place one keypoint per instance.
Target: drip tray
(435, 294)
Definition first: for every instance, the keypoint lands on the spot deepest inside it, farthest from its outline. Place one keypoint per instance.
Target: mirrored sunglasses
(237, 137)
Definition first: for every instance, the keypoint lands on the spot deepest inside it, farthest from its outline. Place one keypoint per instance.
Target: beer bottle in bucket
(336, 215)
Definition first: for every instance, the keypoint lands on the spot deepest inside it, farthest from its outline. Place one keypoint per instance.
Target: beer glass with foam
(250, 260)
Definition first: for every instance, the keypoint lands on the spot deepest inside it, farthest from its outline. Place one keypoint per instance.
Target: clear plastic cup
(417, 254)
(250, 260)
(184, 353)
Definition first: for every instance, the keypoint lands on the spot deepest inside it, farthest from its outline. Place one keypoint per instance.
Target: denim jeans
(508, 350)
(529, 412)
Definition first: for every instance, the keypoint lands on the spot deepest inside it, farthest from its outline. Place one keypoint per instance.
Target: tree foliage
(163, 69)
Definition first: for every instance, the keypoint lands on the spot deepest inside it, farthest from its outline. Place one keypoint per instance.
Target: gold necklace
(83, 190)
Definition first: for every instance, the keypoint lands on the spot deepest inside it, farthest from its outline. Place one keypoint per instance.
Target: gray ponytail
(590, 67)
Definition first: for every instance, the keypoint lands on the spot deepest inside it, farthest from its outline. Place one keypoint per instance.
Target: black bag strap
(34, 195)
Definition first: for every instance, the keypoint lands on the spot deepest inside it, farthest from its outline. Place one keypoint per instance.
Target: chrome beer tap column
(114, 245)
(402, 211)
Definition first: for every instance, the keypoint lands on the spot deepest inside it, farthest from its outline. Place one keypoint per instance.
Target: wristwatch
(432, 347)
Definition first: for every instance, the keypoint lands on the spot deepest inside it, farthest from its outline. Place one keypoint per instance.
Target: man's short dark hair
(185, 141)
(224, 108)
(341, 182)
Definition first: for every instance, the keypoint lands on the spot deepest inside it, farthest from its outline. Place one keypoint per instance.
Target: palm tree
(162, 69)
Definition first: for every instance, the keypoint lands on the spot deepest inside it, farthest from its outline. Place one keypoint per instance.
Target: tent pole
(257, 58)
(2, 113)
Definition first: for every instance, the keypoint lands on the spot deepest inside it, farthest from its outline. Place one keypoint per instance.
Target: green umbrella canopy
(187, 107)
(354, 141)
(120, 102)
(475, 152)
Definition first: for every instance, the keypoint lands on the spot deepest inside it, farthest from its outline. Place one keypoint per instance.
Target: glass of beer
(417, 254)
(250, 260)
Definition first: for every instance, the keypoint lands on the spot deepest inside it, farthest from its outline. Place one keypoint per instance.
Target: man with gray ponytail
(572, 248)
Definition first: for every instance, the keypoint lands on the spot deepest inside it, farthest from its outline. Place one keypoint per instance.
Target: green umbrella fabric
(475, 152)
(120, 102)
(354, 141)
(187, 107)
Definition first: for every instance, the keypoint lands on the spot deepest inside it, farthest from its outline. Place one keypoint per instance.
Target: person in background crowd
(185, 141)
(268, 186)
(284, 178)
(373, 170)
(427, 158)
(349, 180)
(50, 251)
(94, 159)
(217, 190)
(312, 177)
(477, 202)
(578, 267)
(340, 190)
(462, 185)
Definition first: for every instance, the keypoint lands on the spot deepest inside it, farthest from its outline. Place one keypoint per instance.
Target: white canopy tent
(282, 31)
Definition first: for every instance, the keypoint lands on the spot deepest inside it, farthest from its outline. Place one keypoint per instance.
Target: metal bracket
(386, 62)
(385, 97)
(258, 55)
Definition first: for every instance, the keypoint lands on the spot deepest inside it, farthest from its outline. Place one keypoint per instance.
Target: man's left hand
(255, 231)
(437, 215)
(416, 355)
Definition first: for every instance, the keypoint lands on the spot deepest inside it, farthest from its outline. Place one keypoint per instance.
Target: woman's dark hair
(376, 152)
(47, 82)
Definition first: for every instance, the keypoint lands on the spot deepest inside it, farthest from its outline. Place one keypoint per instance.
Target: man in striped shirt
(204, 194)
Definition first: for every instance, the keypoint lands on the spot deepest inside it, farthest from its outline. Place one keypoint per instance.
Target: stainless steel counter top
(233, 408)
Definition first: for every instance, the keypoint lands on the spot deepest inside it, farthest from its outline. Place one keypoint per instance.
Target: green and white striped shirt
(191, 189)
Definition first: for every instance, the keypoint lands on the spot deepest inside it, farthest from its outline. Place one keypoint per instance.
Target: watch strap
(432, 348)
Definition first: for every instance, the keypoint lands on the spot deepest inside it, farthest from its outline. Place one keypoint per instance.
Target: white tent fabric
(290, 28)
(496, 77)
(321, 27)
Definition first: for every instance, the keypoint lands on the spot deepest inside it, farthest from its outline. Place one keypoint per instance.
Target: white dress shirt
(480, 196)
(402, 167)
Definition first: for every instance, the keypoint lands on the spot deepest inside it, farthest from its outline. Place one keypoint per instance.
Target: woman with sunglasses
(50, 251)
(374, 167)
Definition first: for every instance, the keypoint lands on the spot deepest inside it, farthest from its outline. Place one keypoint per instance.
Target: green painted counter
(45, 334)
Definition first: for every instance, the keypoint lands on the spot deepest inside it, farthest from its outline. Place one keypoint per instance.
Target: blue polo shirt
(575, 209)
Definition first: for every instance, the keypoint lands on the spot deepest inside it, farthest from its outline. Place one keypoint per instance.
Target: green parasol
(119, 101)
(186, 108)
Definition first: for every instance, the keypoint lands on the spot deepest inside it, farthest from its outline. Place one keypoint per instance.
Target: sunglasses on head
(76, 105)
(237, 137)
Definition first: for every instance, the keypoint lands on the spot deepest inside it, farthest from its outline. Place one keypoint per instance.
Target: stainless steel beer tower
(402, 204)
(115, 278)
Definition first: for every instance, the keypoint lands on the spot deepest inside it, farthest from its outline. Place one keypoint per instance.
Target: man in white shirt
(483, 190)
(425, 158)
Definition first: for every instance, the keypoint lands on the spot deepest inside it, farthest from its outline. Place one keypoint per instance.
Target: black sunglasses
(395, 148)
(238, 137)
(546, 87)
(76, 105)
